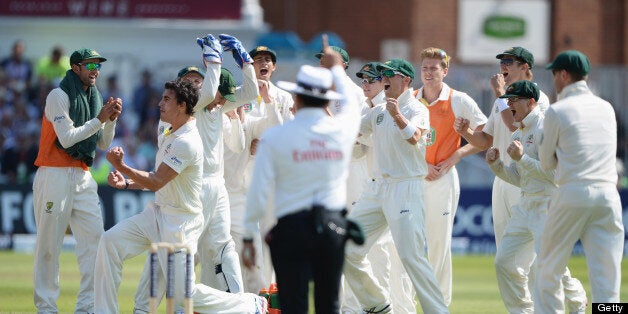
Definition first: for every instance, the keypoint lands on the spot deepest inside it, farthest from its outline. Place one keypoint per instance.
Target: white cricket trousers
(516, 255)
(391, 276)
(253, 278)
(395, 205)
(590, 213)
(133, 236)
(505, 196)
(441, 202)
(215, 246)
(63, 196)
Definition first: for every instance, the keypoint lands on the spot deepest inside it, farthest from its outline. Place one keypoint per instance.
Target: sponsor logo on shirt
(58, 118)
(176, 160)
(247, 107)
(379, 119)
(431, 137)
(530, 139)
(317, 152)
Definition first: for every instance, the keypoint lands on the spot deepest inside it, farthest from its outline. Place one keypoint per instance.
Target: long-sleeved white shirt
(57, 111)
(580, 138)
(305, 161)
(395, 157)
(527, 173)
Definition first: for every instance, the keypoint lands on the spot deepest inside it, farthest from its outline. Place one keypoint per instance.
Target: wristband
(127, 184)
(408, 131)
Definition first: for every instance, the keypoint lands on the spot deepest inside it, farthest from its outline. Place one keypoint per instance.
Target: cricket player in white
(216, 247)
(238, 167)
(515, 64)
(580, 142)
(272, 107)
(176, 215)
(383, 255)
(443, 152)
(522, 235)
(64, 191)
(395, 202)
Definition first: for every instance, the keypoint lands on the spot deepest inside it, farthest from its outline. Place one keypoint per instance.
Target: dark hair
(185, 92)
(310, 101)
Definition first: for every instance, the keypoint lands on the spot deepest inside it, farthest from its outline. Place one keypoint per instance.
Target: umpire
(304, 163)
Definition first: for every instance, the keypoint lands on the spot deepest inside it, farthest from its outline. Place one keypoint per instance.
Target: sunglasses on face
(91, 66)
(507, 62)
(371, 80)
(391, 73)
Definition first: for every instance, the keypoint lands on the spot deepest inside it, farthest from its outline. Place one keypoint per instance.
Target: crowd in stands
(24, 85)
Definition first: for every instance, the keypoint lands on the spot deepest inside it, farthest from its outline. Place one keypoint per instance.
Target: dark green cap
(343, 53)
(520, 53)
(84, 54)
(523, 88)
(265, 49)
(399, 65)
(189, 69)
(572, 61)
(227, 85)
(369, 69)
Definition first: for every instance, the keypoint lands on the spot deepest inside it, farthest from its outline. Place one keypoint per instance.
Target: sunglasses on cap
(371, 80)
(391, 73)
(91, 66)
(507, 62)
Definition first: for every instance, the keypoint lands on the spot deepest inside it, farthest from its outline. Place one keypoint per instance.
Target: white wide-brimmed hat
(312, 81)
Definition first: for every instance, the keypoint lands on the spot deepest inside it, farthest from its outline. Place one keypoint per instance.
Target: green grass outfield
(475, 286)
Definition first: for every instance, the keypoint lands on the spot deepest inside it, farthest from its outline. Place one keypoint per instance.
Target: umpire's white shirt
(395, 157)
(307, 160)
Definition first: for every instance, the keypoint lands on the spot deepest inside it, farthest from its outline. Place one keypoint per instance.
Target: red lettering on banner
(179, 9)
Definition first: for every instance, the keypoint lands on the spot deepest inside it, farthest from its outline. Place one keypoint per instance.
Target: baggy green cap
(399, 65)
(227, 85)
(85, 54)
(572, 61)
(343, 53)
(519, 53)
(370, 70)
(523, 88)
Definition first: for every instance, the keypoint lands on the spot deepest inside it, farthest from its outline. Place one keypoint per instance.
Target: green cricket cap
(227, 85)
(263, 49)
(523, 88)
(190, 69)
(520, 53)
(572, 61)
(370, 70)
(398, 65)
(85, 54)
(343, 53)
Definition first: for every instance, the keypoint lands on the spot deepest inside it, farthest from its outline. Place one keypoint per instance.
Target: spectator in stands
(51, 69)
(18, 69)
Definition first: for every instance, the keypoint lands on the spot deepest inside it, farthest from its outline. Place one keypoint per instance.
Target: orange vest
(49, 154)
(442, 140)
